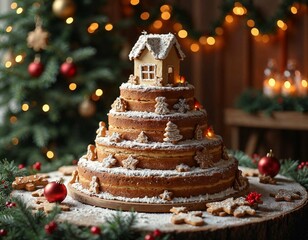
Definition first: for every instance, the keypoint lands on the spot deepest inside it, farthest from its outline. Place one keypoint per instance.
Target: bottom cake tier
(148, 190)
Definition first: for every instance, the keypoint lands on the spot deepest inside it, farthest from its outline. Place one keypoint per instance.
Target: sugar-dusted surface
(150, 88)
(89, 215)
(220, 167)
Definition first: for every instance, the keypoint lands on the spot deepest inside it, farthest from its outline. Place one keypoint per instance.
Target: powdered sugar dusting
(150, 88)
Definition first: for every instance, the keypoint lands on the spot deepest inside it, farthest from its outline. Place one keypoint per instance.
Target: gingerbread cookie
(75, 177)
(227, 206)
(166, 195)
(250, 172)
(267, 180)
(29, 183)
(194, 220)
(67, 170)
(286, 195)
(191, 218)
(48, 207)
(241, 211)
(178, 210)
(38, 193)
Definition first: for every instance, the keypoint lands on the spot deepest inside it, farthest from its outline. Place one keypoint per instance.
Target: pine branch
(243, 159)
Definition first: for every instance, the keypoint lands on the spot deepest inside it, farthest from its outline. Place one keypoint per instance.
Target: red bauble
(156, 233)
(50, 227)
(149, 237)
(3, 232)
(68, 69)
(55, 192)
(21, 166)
(37, 166)
(269, 165)
(35, 69)
(95, 230)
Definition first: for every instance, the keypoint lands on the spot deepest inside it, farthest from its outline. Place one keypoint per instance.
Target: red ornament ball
(35, 69)
(3, 232)
(269, 165)
(21, 166)
(55, 191)
(37, 166)
(302, 165)
(50, 227)
(68, 69)
(156, 233)
(149, 237)
(95, 230)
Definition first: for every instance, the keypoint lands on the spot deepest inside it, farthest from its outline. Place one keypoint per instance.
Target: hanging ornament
(3, 232)
(68, 69)
(95, 230)
(36, 68)
(38, 38)
(87, 108)
(37, 166)
(50, 227)
(269, 165)
(64, 8)
(55, 191)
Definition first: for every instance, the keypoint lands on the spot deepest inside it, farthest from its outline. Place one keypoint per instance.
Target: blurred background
(63, 61)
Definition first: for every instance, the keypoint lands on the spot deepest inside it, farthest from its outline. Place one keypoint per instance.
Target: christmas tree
(60, 73)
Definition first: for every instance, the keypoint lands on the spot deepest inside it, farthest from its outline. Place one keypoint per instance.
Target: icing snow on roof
(158, 44)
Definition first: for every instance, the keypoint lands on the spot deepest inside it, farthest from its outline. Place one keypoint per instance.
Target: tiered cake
(158, 151)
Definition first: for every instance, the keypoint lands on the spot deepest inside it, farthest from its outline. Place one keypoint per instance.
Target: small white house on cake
(157, 59)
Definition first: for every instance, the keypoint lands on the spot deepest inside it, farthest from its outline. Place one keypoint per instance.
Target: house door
(170, 74)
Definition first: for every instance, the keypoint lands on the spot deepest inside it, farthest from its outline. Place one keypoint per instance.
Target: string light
(72, 86)
(182, 33)
(194, 47)
(8, 64)
(165, 8)
(287, 84)
(219, 31)
(134, 2)
(19, 10)
(281, 24)
(145, 16)
(177, 27)
(18, 58)
(211, 40)
(239, 9)
(25, 107)
(265, 38)
(250, 23)
(14, 5)
(157, 24)
(99, 92)
(304, 83)
(9, 29)
(165, 15)
(69, 20)
(93, 27)
(108, 27)
(271, 82)
(13, 119)
(294, 10)
(254, 32)
(202, 40)
(15, 141)
(45, 108)
(50, 154)
(229, 18)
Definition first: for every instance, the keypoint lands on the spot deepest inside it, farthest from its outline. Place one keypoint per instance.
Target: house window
(170, 74)
(148, 71)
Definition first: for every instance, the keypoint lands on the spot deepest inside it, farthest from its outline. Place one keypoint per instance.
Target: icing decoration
(161, 107)
(181, 106)
(204, 158)
(115, 137)
(109, 161)
(166, 195)
(142, 138)
(130, 163)
(172, 133)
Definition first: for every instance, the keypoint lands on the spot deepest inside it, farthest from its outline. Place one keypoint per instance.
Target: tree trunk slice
(274, 220)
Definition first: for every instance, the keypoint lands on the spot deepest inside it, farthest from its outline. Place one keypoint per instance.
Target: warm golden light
(18, 58)
(250, 23)
(145, 16)
(157, 24)
(177, 27)
(229, 18)
(202, 40)
(182, 33)
(19, 10)
(219, 31)
(287, 84)
(9, 29)
(194, 47)
(210, 132)
(50, 154)
(69, 20)
(294, 10)
(93, 27)
(8, 64)
(304, 83)
(239, 9)
(165, 15)
(271, 82)
(281, 24)
(197, 104)
(45, 108)
(15, 141)
(134, 2)
(265, 38)
(210, 40)
(254, 31)
(108, 27)
(165, 8)
(14, 5)
(13, 119)
(25, 107)
(99, 92)
(72, 86)
(181, 80)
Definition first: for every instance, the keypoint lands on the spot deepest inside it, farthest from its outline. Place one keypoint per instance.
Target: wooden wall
(221, 73)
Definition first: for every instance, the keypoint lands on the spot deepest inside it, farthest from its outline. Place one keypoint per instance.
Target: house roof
(157, 44)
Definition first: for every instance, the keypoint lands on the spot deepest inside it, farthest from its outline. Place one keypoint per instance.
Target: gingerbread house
(157, 59)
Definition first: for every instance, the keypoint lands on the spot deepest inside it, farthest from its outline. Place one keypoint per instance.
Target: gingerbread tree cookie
(142, 137)
(172, 133)
(161, 107)
(198, 133)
